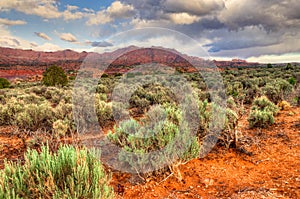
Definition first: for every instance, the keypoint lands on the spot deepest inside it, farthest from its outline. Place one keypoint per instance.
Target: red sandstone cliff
(24, 63)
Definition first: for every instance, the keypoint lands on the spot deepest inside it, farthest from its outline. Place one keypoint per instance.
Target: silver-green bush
(69, 173)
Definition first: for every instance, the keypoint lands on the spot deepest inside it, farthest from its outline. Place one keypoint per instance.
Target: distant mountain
(23, 63)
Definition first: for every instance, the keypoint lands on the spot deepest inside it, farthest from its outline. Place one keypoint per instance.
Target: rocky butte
(17, 63)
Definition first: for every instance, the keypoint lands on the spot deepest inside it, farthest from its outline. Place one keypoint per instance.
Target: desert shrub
(250, 94)
(54, 76)
(226, 120)
(235, 89)
(62, 127)
(34, 116)
(4, 83)
(38, 90)
(102, 89)
(104, 112)
(25, 115)
(158, 94)
(31, 98)
(9, 110)
(69, 173)
(156, 132)
(284, 105)
(272, 92)
(140, 103)
(204, 118)
(262, 112)
(53, 94)
(292, 81)
(277, 90)
(228, 135)
(63, 111)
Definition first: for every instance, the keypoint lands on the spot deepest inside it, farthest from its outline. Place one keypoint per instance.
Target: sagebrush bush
(162, 130)
(62, 127)
(262, 113)
(69, 173)
(104, 111)
(34, 116)
(277, 90)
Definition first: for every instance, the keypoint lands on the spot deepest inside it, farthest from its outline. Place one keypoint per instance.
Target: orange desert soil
(271, 170)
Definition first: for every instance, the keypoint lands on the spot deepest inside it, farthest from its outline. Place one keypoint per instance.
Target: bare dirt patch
(270, 170)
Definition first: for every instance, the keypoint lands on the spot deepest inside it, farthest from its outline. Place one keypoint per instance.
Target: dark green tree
(289, 66)
(54, 76)
(270, 66)
(4, 83)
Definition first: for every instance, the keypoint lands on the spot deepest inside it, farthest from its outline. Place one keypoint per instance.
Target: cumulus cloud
(42, 8)
(8, 22)
(225, 27)
(183, 18)
(120, 10)
(68, 37)
(42, 35)
(194, 7)
(100, 17)
(271, 15)
(117, 10)
(11, 41)
(47, 9)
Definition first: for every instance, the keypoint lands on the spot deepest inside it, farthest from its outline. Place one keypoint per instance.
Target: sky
(257, 30)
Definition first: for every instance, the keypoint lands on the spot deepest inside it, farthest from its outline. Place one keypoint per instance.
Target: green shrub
(62, 127)
(104, 112)
(277, 90)
(262, 113)
(4, 83)
(54, 76)
(34, 117)
(156, 132)
(69, 173)
(292, 81)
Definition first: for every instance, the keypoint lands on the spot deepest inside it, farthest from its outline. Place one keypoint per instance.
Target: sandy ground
(271, 170)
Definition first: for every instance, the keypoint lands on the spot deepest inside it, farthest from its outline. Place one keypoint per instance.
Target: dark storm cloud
(246, 38)
(228, 24)
(195, 7)
(147, 9)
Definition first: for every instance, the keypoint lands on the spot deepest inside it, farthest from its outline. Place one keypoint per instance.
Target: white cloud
(47, 47)
(115, 11)
(47, 9)
(70, 7)
(42, 35)
(68, 37)
(183, 18)
(120, 10)
(10, 41)
(284, 58)
(68, 15)
(100, 17)
(8, 22)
